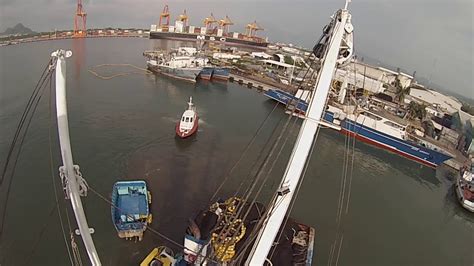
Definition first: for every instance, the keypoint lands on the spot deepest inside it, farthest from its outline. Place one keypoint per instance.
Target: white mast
(73, 182)
(306, 136)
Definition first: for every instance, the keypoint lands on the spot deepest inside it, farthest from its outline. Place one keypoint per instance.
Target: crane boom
(301, 150)
(66, 154)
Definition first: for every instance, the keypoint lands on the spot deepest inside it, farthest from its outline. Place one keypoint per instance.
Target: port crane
(252, 28)
(225, 23)
(184, 18)
(80, 21)
(209, 21)
(165, 14)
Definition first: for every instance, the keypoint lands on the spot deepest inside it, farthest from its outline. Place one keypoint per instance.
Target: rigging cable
(34, 101)
(249, 174)
(260, 171)
(353, 146)
(348, 152)
(247, 147)
(24, 115)
(151, 229)
(271, 168)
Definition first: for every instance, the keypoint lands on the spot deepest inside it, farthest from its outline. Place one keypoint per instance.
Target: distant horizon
(437, 42)
(368, 59)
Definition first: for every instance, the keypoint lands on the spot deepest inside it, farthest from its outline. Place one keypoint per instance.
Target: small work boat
(188, 124)
(130, 209)
(465, 188)
(220, 73)
(206, 73)
(217, 232)
(160, 256)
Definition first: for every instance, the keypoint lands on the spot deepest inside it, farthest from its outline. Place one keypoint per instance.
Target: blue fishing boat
(220, 73)
(206, 73)
(130, 209)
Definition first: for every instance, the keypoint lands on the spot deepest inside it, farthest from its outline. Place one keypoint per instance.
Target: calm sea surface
(400, 213)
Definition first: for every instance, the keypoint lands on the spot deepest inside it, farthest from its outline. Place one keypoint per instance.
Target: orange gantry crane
(209, 21)
(225, 23)
(165, 14)
(252, 28)
(184, 18)
(80, 21)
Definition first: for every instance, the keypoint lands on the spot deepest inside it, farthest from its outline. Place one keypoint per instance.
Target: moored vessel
(374, 127)
(185, 68)
(206, 73)
(130, 209)
(287, 99)
(188, 124)
(387, 132)
(210, 234)
(220, 73)
(464, 187)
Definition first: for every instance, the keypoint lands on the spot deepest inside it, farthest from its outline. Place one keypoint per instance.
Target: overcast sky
(433, 37)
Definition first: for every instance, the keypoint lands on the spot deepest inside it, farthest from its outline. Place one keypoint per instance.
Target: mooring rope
(141, 71)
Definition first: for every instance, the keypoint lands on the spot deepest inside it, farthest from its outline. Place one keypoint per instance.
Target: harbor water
(123, 128)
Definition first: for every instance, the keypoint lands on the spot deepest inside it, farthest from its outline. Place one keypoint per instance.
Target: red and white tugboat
(188, 124)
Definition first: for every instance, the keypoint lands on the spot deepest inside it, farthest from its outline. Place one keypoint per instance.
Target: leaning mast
(73, 184)
(340, 38)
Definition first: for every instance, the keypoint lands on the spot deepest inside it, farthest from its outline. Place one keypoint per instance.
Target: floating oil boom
(73, 183)
(336, 48)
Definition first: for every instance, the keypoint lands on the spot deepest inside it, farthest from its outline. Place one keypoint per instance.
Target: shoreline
(42, 39)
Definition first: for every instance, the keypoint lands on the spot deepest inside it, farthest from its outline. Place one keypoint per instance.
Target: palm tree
(416, 110)
(401, 91)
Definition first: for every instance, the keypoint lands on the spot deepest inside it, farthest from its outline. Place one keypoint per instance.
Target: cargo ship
(215, 31)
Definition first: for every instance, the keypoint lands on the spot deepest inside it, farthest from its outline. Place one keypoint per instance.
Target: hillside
(18, 29)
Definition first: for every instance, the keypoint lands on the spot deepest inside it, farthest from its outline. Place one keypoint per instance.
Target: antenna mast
(339, 35)
(73, 183)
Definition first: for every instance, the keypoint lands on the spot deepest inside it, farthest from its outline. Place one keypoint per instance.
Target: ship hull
(194, 37)
(220, 74)
(186, 74)
(285, 97)
(461, 195)
(206, 73)
(368, 135)
(379, 139)
(193, 130)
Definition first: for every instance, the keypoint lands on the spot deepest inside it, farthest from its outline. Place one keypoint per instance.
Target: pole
(301, 150)
(66, 154)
